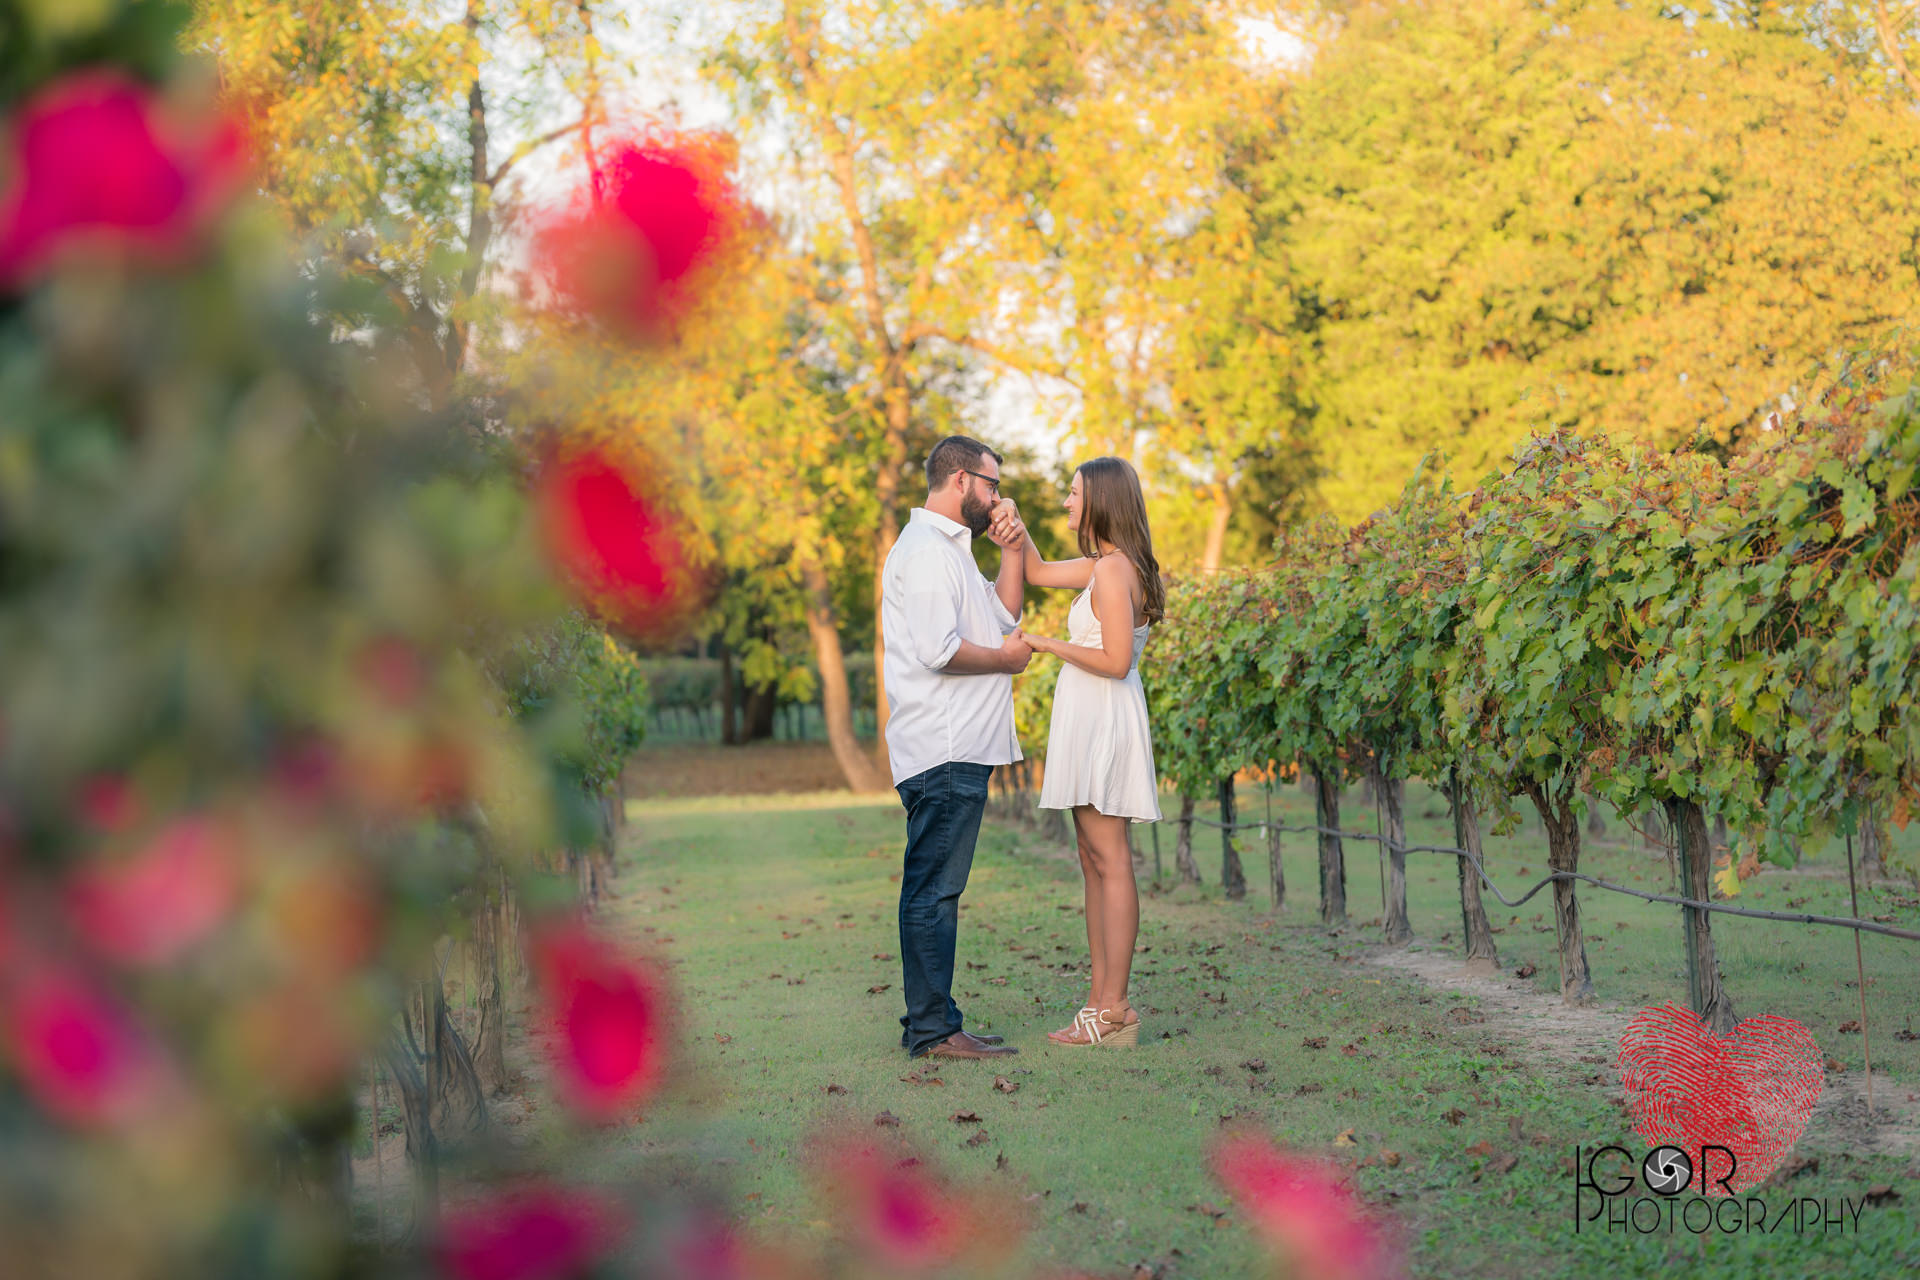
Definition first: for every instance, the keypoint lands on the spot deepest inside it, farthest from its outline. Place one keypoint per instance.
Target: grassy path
(776, 914)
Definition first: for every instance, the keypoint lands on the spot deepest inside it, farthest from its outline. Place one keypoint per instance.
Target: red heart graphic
(1750, 1091)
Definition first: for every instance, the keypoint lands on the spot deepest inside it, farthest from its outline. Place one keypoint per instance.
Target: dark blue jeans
(943, 806)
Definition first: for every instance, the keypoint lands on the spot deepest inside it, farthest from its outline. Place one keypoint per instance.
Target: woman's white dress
(1099, 750)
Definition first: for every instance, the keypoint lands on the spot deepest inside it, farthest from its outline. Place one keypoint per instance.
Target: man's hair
(955, 453)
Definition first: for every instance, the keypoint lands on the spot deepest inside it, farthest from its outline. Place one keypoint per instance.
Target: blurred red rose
(305, 771)
(170, 894)
(539, 1234)
(608, 1012)
(95, 163)
(630, 251)
(618, 547)
(1303, 1207)
(392, 670)
(77, 1052)
(108, 802)
(895, 1209)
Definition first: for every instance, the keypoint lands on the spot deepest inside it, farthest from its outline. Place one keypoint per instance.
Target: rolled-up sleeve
(933, 626)
(1001, 614)
(931, 606)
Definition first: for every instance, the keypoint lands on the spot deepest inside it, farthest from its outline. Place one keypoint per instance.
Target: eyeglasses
(993, 481)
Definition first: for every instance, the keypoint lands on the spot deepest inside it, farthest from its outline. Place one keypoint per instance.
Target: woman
(1099, 751)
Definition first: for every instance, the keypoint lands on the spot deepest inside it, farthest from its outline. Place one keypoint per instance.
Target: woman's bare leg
(1092, 899)
(1113, 897)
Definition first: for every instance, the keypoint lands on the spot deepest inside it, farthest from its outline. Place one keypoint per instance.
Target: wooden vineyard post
(1276, 874)
(1860, 967)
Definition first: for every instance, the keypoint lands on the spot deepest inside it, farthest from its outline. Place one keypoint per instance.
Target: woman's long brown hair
(1114, 510)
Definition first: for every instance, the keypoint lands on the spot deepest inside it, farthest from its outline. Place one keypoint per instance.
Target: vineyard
(1693, 639)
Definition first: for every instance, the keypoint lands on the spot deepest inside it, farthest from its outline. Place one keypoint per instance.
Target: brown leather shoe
(964, 1044)
(981, 1039)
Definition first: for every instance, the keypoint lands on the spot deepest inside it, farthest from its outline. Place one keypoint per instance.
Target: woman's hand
(1039, 644)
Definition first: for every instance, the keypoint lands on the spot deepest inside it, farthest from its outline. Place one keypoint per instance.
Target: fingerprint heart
(1750, 1091)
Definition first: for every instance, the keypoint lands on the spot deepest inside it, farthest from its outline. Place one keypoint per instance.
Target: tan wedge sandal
(1103, 1032)
(1065, 1034)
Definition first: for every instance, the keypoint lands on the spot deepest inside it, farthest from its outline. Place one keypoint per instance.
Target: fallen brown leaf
(966, 1117)
(978, 1139)
(836, 1088)
(1526, 971)
(887, 1119)
(1004, 1085)
(877, 988)
(1344, 1139)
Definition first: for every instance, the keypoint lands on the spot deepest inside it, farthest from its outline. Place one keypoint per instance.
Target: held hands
(1016, 652)
(1005, 527)
(1035, 644)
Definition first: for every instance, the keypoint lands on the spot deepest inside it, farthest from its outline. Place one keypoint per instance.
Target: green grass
(1106, 1148)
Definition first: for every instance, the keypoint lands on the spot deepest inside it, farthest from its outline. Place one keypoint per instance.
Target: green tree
(389, 132)
(1522, 216)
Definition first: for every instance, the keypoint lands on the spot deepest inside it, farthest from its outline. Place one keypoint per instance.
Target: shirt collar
(951, 528)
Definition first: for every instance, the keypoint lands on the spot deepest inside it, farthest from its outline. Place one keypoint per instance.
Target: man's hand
(1016, 652)
(1005, 527)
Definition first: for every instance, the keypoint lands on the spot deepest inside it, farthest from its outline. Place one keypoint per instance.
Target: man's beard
(975, 515)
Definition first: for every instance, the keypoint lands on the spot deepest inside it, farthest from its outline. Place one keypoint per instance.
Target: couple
(953, 644)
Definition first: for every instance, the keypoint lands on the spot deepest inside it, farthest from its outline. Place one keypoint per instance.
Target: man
(949, 660)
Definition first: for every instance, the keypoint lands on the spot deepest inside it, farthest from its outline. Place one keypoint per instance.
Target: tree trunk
(1873, 862)
(760, 706)
(855, 765)
(1705, 989)
(1482, 956)
(1333, 858)
(1596, 823)
(1183, 864)
(1233, 880)
(490, 1039)
(456, 1102)
(423, 1150)
(1563, 854)
(603, 854)
(511, 960)
(1218, 517)
(729, 700)
(1393, 794)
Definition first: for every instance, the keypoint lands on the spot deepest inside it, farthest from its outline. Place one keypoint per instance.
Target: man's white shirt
(932, 597)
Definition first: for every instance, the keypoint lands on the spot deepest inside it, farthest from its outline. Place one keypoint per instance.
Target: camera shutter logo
(1666, 1170)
